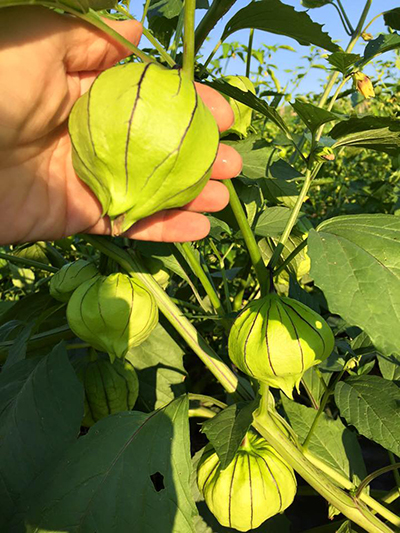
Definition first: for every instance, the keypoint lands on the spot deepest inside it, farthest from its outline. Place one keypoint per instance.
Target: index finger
(218, 106)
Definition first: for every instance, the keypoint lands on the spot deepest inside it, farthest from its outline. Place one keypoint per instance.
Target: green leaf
(41, 408)
(371, 405)
(342, 61)
(131, 472)
(312, 383)
(392, 18)
(159, 365)
(313, 116)
(376, 133)
(384, 43)
(251, 100)
(275, 17)
(272, 221)
(312, 4)
(355, 260)
(227, 429)
(390, 367)
(331, 441)
(281, 183)
(165, 8)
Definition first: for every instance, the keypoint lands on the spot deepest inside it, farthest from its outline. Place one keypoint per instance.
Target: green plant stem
(209, 58)
(342, 19)
(145, 10)
(349, 24)
(395, 472)
(251, 243)
(348, 485)
(249, 50)
(321, 409)
(188, 38)
(293, 215)
(223, 275)
(188, 305)
(365, 482)
(201, 412)
(391, 496)
(290, 257)
(178, 35)
(206, 399)
(187, 252)
(31, 263)
(216, 11)
(234, 385)
(355, 511)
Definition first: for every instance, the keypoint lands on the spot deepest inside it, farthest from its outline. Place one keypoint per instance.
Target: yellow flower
(363, 85)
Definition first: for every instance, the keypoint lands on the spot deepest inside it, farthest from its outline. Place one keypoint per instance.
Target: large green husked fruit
(69, 277)
(276, 339)
(112, 313)
(109, 388)
(143, 141)
(255, 486)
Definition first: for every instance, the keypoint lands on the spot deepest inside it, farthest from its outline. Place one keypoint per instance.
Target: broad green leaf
(312, 4)
(165, 8)
(355, 260)
(252, 101)
(392, 18)
(272, 221)
(377, 133)
(312, 116)
(255, 162)
(341, 61)
(164, 252)
(331, 441)
(41, 408)
(390, 367)
(313, 385)
(384, 43)
(275, 17)
(17, 351)
(159, 364)
(281, 184)
(371, 405)
(227, 429)
(131, 472)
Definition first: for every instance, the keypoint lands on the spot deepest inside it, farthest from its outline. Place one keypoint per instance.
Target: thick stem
(230, 381)
(357, 512)
(249, 50)
(30, 263)
(187, 252)
(216, 11)
(251, 243)
(188, 38)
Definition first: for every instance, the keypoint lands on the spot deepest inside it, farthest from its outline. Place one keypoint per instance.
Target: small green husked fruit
(276, 339)
(109, 388)
(255, 486)
(112, 313)
(69, 277)
(242, 112)
(143, 141)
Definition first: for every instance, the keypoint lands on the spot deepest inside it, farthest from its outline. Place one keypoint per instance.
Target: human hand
(47, 61)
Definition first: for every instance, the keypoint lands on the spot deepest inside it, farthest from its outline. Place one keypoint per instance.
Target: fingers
(228, 163)
(218, 106)
(170, 226)
(213, 197)
(87, 48)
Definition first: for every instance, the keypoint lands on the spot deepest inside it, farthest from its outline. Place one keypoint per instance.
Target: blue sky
(284, 59)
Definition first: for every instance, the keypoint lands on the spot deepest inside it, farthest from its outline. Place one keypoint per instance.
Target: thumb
(89, 48)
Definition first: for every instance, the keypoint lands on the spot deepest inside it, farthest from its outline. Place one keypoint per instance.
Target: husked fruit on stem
(143, 141)
(69, 277)
(276, 339)
(255, 486)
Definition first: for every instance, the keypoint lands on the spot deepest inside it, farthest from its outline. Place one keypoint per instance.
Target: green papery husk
(255, 486)
(143, 141)
(69, 277)
(276, 339)
(112, 313)
(109, 388)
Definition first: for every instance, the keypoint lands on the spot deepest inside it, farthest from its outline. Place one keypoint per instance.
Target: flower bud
(366, 36)
(255, 486)
(276, 339)
(242, 112)
(69, 277)
(363, 85)
(112, 313)
(109, 388)
(143, 141)
(324, 154)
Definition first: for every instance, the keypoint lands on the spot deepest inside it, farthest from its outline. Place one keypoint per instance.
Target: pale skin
(46, 62)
